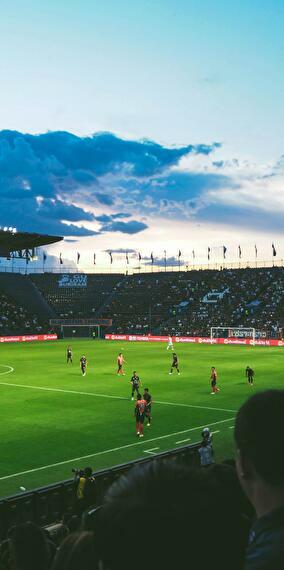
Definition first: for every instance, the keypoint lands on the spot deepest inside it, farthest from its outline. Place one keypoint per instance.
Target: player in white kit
(170, 344)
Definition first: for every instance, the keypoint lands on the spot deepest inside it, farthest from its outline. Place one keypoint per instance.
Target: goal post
(233, 332)
(80, 327)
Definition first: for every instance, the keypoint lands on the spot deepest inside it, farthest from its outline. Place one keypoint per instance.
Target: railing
(47, 505)
(122, 269)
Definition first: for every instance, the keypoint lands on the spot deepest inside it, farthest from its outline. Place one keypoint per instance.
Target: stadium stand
(15, 319)
(25, 294)
(183, 303)
(188, 303)
(76, 301)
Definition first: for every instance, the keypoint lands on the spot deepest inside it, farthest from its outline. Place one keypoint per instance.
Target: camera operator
(205, 451)
(85, 489)
(207, 436)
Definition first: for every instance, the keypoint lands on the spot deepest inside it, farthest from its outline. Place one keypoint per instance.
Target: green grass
(42, 428)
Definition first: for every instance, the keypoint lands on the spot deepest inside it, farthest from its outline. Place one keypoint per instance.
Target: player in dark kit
(135, 382)
(213, 378)
(249, 375)
(83, 364)
(69, 354)
(175, 364)
(139, 413)
(148, 398)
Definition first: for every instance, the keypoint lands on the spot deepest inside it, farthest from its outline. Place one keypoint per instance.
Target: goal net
(233, 332)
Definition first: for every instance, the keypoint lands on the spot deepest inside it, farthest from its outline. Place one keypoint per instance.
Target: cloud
(160, 261)
(109, 218)
(59, 183)
(132, 227)
(53, 182)
(121, 250)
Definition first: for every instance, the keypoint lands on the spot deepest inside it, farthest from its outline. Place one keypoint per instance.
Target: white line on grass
(10, 369)
(217, 431)
(191, 406)
(183, 440)
(76, 459)
(151, 451)
(61, 390)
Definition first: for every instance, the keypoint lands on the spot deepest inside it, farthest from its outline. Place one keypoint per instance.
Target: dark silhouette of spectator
(77, 552)
(72, 521)
(29, 547)
(183, 514)
(226, 475)
(260, 465)
(57, 533)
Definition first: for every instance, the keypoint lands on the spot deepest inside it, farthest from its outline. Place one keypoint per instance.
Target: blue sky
(203, 80)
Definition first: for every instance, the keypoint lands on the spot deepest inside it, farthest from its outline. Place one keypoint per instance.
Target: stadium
(141, 285)
(56, 419)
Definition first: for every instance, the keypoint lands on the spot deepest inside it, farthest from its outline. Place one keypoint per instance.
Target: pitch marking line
(77, 459)
(10, 369)
(151, 451)
(192, 406)
(61, 390)
(183, 440)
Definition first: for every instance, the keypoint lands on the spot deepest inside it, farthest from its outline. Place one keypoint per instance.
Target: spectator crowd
(180, 303)
(15, 319)
(189, 303)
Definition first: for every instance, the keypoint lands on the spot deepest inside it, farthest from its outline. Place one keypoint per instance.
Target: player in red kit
(139, 413)
(213, 378)
(120, 362)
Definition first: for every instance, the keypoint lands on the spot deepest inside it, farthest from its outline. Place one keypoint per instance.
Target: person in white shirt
(170, 344)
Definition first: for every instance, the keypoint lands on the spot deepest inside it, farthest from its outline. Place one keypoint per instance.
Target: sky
(144, 126)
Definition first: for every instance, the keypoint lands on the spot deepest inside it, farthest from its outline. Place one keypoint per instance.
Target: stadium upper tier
(185, 303)
(76, 295)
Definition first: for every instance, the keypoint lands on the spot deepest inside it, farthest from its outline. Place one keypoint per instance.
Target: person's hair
(226, 474)
(180, 509)
(258, 430)
(134, 371)
(28, 547)
(146, 389)
(77, 551)
(88, 471)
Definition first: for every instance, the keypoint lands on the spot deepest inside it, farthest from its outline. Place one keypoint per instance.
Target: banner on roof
(28, 338)
(74, 280)
(196, 340)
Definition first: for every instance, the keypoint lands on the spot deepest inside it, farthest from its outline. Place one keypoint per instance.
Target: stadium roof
(11, 241)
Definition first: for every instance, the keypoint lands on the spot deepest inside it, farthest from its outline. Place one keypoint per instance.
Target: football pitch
(53, 419)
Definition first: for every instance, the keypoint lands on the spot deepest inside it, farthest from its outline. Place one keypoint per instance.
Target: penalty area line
(10, 369)
(96, 454)
(110, 396)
